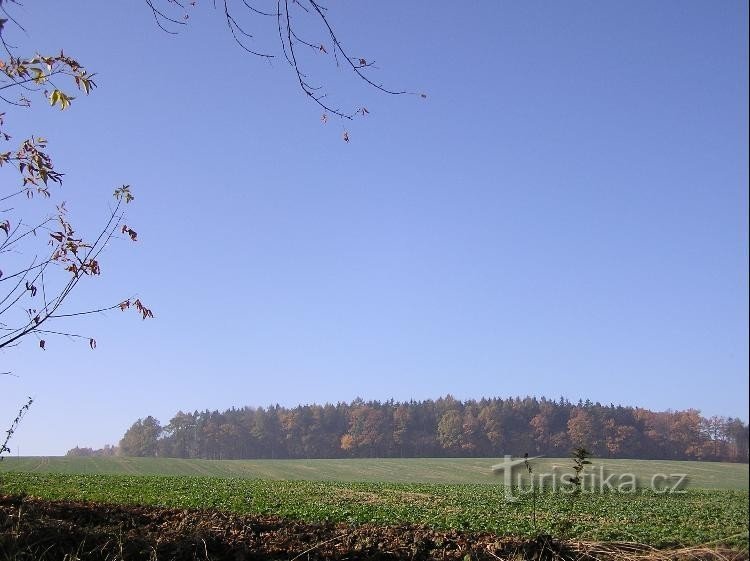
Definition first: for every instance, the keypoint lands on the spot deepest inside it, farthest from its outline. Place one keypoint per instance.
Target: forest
(445, 427)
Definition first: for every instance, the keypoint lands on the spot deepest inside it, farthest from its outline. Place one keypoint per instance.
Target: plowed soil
(37, 529)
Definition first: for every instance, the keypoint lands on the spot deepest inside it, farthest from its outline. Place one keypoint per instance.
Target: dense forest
(445, 427)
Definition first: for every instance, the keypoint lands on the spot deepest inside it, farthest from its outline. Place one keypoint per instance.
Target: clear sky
(566, 214)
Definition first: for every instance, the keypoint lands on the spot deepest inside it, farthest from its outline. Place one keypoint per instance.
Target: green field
(442, 493)
(700, 475)
(695, 517)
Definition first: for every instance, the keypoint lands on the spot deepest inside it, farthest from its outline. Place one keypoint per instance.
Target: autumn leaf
(31, 288)
(41, 344)
(145, 312)
(130, 232)
(124, 193)
(58, 97)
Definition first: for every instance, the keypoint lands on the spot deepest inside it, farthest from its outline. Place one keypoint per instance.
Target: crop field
(699, 475)
(458, 497)
(697, 516)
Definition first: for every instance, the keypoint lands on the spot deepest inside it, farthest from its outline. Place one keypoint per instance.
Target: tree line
(445, 427)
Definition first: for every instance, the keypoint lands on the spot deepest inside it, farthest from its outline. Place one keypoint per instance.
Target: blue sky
(565, 214)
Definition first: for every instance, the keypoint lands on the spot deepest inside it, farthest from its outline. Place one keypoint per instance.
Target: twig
(317, 545)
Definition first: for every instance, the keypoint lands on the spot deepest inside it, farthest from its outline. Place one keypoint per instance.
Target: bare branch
(289, 36)
(159, 16)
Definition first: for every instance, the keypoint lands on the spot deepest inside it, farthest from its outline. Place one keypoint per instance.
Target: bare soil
(44, 530)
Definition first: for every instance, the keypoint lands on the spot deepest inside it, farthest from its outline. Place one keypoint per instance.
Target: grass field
(441, 493)
(700, 475)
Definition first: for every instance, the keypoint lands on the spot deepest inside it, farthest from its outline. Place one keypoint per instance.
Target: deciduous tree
(370, 429)
(141, 439)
